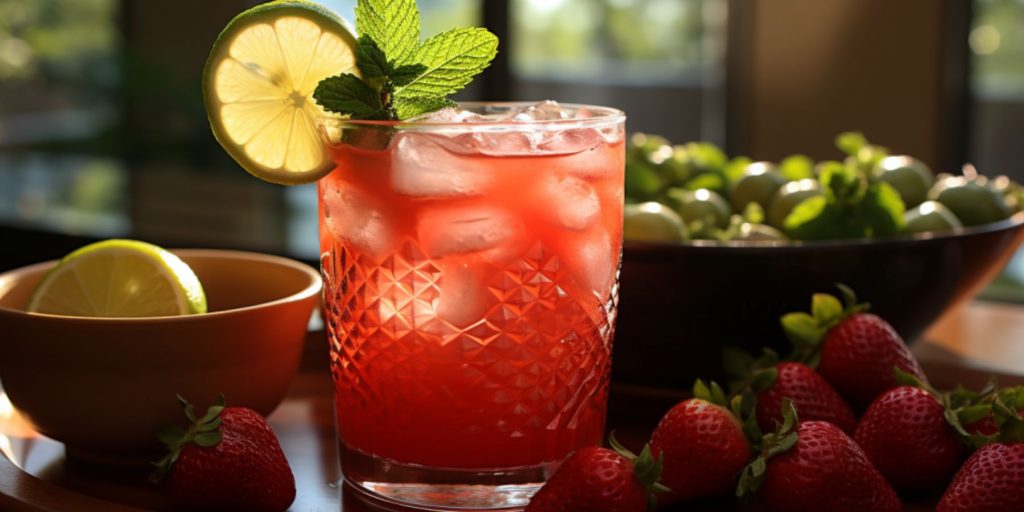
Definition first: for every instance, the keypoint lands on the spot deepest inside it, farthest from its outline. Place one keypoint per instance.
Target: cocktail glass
(471, 279)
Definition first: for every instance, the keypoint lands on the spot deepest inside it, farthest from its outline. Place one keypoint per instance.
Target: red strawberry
(703, 447)
(814, 466)
(812, 395)
(906, 436)
(855, 351)
(975, 409)
(992, 480)
(986, 426)
(227, 460)
(600, 480)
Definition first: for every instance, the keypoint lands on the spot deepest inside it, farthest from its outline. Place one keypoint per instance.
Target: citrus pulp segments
(258, 87)
(119, 278)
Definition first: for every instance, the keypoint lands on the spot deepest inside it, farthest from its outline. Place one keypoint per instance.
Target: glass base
(442, 489)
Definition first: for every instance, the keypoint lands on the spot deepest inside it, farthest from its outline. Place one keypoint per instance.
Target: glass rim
(601, 116)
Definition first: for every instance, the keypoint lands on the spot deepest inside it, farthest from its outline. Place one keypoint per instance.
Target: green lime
(758, 185)
(119, 278)
(702, 205)
(930, 216)
(258, 87)
(788, 196)
(652, 222)
(972, 202)
(909, 176)
(750, 232)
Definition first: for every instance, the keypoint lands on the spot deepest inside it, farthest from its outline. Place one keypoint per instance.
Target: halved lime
(119, 278)
(258, 87)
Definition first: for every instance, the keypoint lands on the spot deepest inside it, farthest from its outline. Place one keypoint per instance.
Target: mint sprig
(403, 77)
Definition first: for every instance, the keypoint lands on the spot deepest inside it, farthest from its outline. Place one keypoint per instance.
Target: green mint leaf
(850, 142)
(370, 59)
(403, 75)
(883, 210)
(451, 59)
(796, 168)
(408, 108)
(393, 24)
(843, 184)
(347, 94)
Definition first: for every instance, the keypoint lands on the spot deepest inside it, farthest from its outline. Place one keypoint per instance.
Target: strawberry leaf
(789, 416)
(764, 379)
(905, 379)
(204, 432)
(826, 309)
(849, 296)
(973, 413)
(618, 448)
(784, 444)
(718, 394)
(737, 363)
(209, 426)
(700, 390)
(207, 439)
(170, 434)
(804, 333)
(190, 410)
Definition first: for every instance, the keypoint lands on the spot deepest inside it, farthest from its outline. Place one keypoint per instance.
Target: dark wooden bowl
(681, 304)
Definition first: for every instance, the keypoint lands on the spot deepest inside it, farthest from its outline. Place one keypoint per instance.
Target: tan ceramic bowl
(102, 385)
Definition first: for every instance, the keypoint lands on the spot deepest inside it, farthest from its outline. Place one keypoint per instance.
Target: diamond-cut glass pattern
(524, 383)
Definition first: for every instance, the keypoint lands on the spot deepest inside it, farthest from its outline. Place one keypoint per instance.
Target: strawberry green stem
(204, 431)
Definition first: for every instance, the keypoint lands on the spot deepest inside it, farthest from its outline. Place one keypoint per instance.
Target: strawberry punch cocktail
(471, 265)
(470, 252)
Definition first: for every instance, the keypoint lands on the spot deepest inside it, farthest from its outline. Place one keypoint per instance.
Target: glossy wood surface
(34, 475)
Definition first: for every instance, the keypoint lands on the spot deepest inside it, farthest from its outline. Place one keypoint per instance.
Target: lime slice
(119, 278)
(258, 87)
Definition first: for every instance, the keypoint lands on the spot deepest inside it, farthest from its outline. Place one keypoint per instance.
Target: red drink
(470, 289)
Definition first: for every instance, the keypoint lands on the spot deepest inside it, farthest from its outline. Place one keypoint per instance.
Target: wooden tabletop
(965, 346)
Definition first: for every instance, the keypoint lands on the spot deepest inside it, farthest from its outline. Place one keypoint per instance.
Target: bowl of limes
(718, 248)
(96, 346)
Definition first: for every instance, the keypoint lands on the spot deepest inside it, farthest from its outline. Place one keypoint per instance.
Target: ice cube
(547, 110)
(571, 202)
(463, 298)
(594, 162)
(353, 216)
(422, 168)
(465, 229)
(497, 140)
(594, 261)
(449, 115)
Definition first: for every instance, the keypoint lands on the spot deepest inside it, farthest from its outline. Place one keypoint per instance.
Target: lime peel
(119, 278)
(258, 86)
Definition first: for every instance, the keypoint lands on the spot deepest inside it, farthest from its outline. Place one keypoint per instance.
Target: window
(997, 95)
(659, 60)
(59, 86)
(997, 83)
(103, 131)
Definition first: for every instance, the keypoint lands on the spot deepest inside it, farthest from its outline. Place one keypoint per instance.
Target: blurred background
(103, 132)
